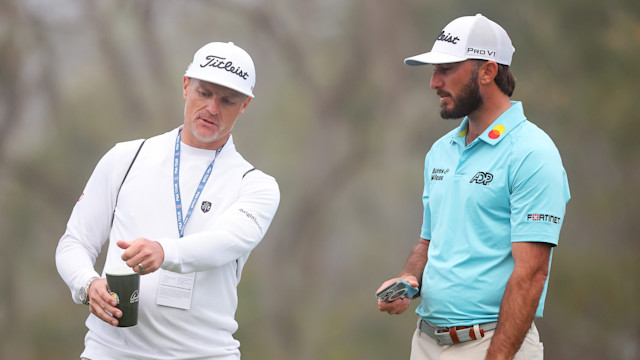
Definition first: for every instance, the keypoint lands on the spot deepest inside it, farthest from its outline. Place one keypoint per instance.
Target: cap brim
(221, 83)
(432, 58)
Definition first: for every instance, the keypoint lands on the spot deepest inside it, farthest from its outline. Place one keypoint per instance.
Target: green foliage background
(344, 126)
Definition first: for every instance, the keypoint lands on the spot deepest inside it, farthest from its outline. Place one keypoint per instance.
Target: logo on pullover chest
(482, 178)
(205, 207)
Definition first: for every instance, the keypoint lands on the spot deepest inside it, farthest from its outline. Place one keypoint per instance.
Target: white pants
(423, 347)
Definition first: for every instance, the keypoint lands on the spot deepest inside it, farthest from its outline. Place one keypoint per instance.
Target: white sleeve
(90, 222)
(236, 232)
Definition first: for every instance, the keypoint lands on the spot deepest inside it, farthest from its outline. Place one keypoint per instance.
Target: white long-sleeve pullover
(216, 245)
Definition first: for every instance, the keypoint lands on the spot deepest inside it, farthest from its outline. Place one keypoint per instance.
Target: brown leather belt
(456, 334)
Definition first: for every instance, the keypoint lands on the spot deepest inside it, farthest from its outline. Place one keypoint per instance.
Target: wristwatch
(83, 292)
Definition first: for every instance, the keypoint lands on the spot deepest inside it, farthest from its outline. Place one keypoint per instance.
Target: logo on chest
(438, 174)
(483, 178)
(205, 207)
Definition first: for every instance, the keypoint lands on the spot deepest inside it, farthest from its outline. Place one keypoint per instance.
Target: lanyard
(176, 185)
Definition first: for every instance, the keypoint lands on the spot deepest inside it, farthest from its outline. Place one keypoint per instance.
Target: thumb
(412, 281)
(123, 244)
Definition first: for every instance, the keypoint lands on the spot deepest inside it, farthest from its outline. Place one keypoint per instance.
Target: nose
(213, 105)
(436, 81)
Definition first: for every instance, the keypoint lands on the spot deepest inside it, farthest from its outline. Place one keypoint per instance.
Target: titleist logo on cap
(447, 38)
(220, 63)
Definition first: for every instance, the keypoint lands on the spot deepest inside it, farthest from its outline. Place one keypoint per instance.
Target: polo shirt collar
(498, 130)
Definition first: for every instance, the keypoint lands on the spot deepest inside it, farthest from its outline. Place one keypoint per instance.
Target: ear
(186, 81)
(487, 72)
(245, 103)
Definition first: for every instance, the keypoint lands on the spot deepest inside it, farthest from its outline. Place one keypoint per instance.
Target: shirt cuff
(170, 249)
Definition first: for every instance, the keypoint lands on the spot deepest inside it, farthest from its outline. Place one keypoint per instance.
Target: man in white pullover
(184, 207)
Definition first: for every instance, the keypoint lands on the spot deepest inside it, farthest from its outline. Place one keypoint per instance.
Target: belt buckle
(475, 333)
(444, 334)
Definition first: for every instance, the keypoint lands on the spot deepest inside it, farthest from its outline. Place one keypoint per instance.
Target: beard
(467, 102)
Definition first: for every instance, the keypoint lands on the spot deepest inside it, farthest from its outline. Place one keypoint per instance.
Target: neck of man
(493, 106)
(203, 143)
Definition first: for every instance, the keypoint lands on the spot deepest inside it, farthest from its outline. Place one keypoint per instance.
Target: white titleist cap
(224, 64)
(468, 37)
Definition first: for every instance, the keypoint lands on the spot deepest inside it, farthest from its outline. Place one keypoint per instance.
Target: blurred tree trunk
(11, 58)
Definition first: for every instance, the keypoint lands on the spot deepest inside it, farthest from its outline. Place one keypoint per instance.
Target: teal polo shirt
(507, 186)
